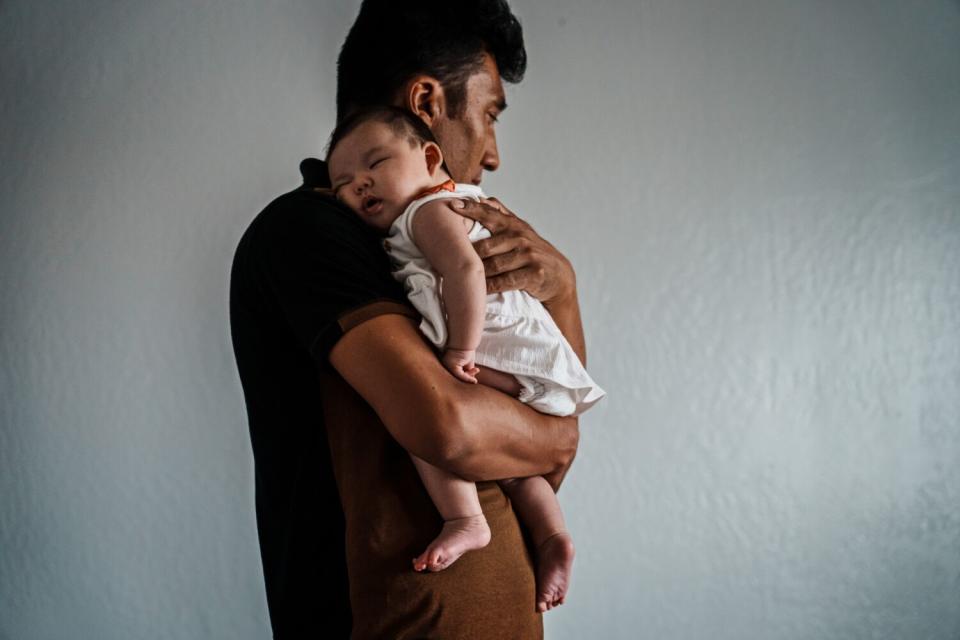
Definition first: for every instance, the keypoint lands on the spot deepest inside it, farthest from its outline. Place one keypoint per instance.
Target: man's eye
(493, 117)
(376, 162)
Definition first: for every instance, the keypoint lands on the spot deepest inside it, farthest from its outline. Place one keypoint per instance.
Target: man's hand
(516, 257)
(555, 479)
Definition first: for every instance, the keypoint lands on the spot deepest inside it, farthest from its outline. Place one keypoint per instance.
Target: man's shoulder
(302, 206)
(308, 209)
(302, 217)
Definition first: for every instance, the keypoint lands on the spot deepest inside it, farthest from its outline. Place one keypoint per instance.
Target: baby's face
(377, 173)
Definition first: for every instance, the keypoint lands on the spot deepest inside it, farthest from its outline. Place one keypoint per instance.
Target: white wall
(762, 200)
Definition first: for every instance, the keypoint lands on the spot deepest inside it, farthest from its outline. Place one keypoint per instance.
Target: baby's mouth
(371, 205)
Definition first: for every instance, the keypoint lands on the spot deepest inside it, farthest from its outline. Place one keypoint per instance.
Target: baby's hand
(460, 363)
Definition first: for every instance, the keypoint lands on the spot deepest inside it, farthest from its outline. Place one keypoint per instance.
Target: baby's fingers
(466, 376)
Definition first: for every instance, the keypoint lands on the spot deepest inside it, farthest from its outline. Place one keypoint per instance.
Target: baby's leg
(538, 508)
(500, 381)
(464, 527)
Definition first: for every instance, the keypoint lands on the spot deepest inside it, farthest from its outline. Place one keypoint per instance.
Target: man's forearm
(500, 437)
(505, 439)
(566, 313)
(471, 430)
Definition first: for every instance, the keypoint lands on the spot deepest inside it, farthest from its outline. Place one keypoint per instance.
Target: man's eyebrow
(501, 105)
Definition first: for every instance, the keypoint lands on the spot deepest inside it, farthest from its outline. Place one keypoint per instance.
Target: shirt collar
(315, 174)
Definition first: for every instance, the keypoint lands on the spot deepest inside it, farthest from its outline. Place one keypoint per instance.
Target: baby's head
(379, 159)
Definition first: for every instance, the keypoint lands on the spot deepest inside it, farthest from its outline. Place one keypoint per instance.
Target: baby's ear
(434, 157)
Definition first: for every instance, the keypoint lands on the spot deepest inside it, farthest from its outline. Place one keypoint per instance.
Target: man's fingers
(499, 206)
(499, 245)
(483, 212)
(512, 280)
(505, 262)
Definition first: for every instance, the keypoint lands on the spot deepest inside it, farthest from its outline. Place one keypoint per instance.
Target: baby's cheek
(349, 204)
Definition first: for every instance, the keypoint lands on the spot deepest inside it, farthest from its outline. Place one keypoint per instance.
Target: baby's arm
(441, 234)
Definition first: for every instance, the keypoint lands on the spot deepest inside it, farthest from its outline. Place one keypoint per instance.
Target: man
(339, 382)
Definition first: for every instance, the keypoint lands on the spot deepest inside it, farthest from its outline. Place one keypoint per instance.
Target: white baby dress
(519, 336)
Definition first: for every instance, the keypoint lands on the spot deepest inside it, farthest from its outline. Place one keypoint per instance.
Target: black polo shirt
(333, 489)
(302, 262)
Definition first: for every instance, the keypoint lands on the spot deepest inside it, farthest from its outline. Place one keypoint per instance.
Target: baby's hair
(402, 122)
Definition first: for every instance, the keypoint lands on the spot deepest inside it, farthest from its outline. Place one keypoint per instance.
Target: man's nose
(491, 157)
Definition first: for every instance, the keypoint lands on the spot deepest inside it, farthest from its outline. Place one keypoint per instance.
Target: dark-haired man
(336, 374)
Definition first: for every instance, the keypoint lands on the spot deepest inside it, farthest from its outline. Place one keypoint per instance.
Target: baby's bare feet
(554, 566)
(457, 537)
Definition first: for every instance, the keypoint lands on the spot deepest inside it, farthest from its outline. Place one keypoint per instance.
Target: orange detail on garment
(449, 185)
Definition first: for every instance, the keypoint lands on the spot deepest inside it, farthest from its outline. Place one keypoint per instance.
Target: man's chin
(474, 180)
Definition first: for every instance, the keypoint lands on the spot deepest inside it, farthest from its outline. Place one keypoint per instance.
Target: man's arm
(471, 430)
(319, 268)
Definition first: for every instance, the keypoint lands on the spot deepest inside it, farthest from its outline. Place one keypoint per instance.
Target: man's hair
(401, 122)
(393, 40)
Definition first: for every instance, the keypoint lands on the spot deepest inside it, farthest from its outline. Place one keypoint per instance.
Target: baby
(386, 166)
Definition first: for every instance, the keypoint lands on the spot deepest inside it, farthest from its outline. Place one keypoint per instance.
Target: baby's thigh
(500, 381)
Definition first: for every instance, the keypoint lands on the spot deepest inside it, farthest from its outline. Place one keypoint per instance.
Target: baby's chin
(382, 229)
(380, 223)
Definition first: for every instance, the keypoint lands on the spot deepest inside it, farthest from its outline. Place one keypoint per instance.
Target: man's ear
(423, 96)
(434, 157)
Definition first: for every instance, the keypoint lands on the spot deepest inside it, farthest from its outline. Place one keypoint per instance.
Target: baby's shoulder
(440, 212)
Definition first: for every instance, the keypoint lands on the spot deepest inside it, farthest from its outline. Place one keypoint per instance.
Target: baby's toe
(442, 563)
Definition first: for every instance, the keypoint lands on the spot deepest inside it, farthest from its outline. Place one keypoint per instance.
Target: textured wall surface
(762, 200)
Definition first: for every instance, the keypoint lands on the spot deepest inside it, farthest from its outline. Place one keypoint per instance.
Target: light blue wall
(762, 201)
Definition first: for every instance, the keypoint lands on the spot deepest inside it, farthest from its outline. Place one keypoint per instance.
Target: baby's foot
(554, 565)
(457, 537)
